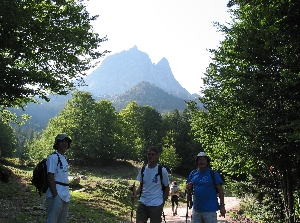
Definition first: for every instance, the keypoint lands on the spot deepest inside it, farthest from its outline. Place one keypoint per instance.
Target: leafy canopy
(46, 46)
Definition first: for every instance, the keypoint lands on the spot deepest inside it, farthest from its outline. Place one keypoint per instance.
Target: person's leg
(155, 213)
(50, 203)
(173, 204)
(209, 217)
(54, 206)
(141, 213)
(176, 202)
(64, 213)
(175, 212)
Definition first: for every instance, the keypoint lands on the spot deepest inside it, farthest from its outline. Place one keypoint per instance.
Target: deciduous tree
(46, 46)
(251, 97)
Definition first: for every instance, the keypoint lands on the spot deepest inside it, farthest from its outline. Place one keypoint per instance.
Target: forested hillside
(145, 93)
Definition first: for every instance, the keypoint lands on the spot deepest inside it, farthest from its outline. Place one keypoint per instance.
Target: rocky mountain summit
(122, 71)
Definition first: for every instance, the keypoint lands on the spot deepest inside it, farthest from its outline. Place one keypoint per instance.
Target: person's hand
(133, 196)
(222, 211)
(189, 187)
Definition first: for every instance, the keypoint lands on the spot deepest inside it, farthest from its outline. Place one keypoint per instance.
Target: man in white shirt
(58, 195)
(152, 197)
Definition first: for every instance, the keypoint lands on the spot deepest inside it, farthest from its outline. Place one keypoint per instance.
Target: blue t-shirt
(205, 195)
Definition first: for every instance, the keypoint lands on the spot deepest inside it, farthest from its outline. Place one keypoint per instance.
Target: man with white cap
(205, 184)
(58, 195)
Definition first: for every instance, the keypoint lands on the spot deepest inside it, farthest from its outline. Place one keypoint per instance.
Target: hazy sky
(179, 30)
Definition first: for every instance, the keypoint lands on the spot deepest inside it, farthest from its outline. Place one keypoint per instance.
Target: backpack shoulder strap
(160, 174)
(59, 161)
(212, 176)
(161, 178)
(212, 173)
(142, 174)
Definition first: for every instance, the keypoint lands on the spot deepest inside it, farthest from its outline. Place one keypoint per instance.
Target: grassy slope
(103, 197)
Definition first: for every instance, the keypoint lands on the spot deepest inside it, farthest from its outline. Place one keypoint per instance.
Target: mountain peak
(121, 71)
(134, 48)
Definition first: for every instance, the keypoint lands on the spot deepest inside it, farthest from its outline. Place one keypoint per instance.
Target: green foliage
(47, 47)
(101, 136)
(177, 131)
(250, 95)
(144, 125)
(145, 93)
(7, 140)
(92, 127)
(169, 158)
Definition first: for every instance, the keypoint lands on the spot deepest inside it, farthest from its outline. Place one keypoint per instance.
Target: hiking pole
(187, 206)
(132, 188)
(163, 213)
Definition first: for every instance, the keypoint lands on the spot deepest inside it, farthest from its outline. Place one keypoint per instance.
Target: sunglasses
(151, 154)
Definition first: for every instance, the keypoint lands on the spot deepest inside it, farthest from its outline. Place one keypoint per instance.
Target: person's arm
(138, 191)
(189, 187)
(166, 193)
(52, 184)
(221, 197)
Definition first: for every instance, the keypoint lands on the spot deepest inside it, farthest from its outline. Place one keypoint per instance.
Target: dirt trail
(232, 203)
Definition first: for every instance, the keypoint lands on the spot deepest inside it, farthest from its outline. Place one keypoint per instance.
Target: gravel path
(232, 203)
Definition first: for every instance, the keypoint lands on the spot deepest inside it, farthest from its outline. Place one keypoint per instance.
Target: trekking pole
(187, 206)
(132, 188)
(163, 213)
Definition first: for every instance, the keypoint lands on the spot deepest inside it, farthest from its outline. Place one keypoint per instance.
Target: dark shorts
(144, 212)
(174, 200)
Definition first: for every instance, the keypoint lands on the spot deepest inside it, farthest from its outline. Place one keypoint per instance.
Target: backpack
(159, 173)
(39, 176)
(173, 190)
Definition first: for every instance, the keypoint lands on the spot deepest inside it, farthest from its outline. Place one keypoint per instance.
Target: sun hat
(202, 154)
(61, 137)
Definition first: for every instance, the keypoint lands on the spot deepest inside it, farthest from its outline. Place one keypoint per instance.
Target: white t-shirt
(173, 190)
(152, 194)
(61, 173)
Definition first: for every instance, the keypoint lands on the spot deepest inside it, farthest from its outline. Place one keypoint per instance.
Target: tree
(143, 127)
(46, 47)
(178, 135)
(77, 119)
(169, 157)
(7, 140)
(106, 143)
(251, 99)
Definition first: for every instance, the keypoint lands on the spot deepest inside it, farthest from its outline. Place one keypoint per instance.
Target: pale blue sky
(179, 30)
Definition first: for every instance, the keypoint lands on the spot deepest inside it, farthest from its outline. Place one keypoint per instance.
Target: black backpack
(159, 173)
(39, 176)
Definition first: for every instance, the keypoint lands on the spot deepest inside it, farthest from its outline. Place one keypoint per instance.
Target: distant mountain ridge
(122, 71)
(145, 93)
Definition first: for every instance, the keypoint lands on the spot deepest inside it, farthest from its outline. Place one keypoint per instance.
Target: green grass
(103, 197)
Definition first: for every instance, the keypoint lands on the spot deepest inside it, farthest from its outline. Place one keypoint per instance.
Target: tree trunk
(288, 196)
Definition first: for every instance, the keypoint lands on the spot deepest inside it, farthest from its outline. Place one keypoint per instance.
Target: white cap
(202, 154)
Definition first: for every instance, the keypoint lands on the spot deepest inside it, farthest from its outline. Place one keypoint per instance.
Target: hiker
(174, 193)
(57, 194)
(205, 187)
(152, 197)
